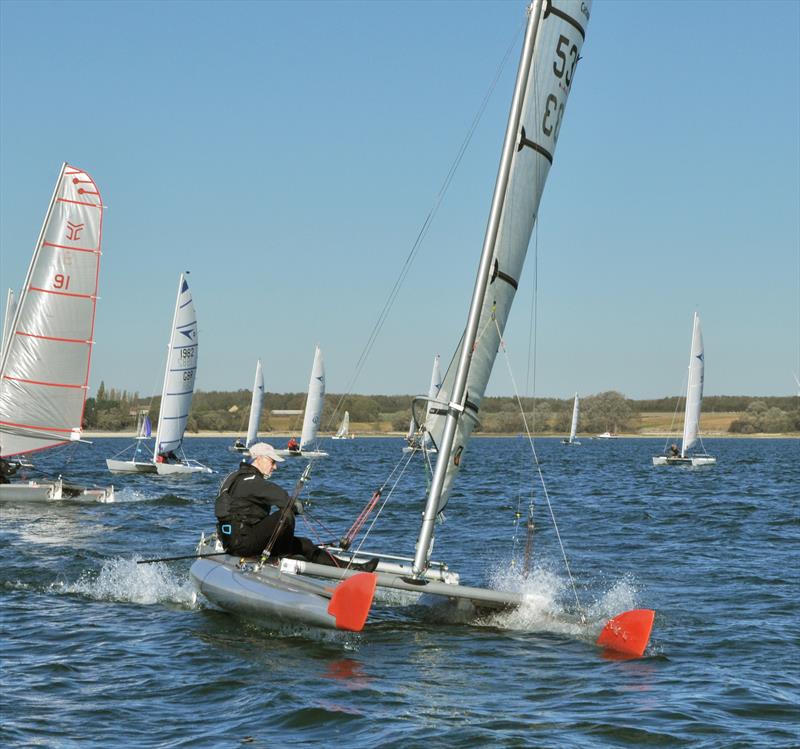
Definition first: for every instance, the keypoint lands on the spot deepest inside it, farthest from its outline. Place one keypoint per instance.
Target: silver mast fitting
(24, 289)
(456, 405)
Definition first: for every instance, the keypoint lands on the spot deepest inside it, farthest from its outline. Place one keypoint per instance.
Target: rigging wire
(426, 224)
(539, 469)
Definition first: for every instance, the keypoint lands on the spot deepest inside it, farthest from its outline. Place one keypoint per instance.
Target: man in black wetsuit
(246, 525)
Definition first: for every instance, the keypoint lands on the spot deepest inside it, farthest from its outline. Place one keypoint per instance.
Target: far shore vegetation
(115, 410)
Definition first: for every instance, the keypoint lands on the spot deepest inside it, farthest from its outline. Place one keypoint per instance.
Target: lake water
(98, 651)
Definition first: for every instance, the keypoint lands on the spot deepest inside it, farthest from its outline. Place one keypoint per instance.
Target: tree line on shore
(117, 410)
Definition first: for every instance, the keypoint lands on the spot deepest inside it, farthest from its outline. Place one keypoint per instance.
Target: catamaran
(141, 460)
(573, 430)
(343, 433)
(256, 404)
(418, 438)
(48, 337)
(289, 589)
(176, 394)
(315, 400)
(691, 416)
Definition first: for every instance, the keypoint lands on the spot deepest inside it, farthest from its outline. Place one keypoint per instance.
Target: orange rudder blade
(352, 601)
(629, 632)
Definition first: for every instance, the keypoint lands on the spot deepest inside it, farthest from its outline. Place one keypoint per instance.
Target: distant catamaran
(573, 430)
(343, 432)
(419, 439)
(256, 405)
(48, 336)
(176, 395)
(694, 401)
(315, 400)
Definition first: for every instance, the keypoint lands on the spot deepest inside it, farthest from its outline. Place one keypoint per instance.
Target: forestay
(314, 402)
(44, 374)
(179, 377)
(256, 403)
(552, 48)
(694, 388)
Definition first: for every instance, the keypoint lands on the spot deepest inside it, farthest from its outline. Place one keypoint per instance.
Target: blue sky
(287, 154)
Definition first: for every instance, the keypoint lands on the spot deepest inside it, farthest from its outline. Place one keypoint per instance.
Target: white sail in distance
(544, 83)
(573, 430)
(44, 373)
(694, 388)
(179, 377)
(433, 392)
(256, 404)
(314, 402)
(344, 427)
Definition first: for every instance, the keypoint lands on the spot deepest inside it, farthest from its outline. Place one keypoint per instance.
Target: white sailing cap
(264, 450)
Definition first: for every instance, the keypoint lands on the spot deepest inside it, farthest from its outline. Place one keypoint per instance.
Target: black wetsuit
(245, 524)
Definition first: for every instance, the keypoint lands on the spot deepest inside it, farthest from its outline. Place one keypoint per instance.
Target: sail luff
(256, 404)
(551, 50)
(314, 401)
(11, 309)
(694, 388)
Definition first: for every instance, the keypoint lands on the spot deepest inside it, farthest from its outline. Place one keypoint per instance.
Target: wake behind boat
(554, 34)
(48, 338)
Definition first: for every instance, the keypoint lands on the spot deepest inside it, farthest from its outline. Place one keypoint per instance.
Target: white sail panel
(176, 395)
(694, 388)
(314, 402)
(559, 39)
(45, 365)
(573, 430)
(256, 403)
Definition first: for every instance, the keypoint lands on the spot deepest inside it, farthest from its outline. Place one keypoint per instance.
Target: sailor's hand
(297, 507)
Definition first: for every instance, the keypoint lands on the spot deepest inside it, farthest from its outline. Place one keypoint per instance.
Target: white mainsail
(344, 427)
(694, 388)
(256, 403)
(553, 40)
(573, 430)
(179, 377)
(44, 373)
(314, 402)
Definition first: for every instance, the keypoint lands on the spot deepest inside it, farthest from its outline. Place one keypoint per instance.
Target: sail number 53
(564, 68)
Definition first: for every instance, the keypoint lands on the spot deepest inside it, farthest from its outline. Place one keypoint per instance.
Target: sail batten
(551, 50)
(48, 338)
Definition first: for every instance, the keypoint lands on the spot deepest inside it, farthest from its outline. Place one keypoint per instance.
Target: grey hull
(266, 594)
